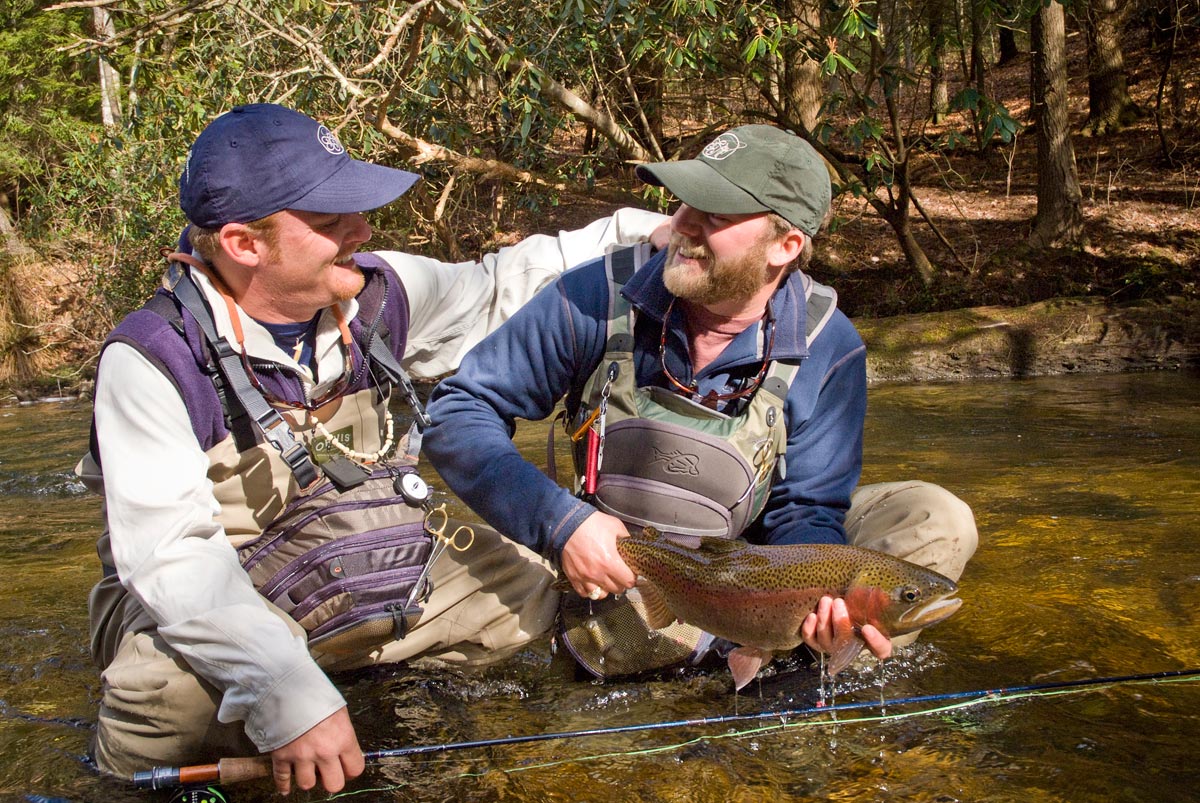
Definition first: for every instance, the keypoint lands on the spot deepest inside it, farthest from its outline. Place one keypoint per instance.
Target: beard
(714, 280)
(349, 285)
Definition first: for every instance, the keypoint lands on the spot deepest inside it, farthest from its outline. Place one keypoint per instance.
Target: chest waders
(348, 555)
(654, 458)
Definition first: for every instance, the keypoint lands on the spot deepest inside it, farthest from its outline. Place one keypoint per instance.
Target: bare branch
(170, 18)
(627, 78)
(419, 151)
(81, 4)
(309, 45)
(569, 100)
(422, 7)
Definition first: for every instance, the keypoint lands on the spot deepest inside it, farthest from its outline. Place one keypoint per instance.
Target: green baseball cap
(751, 168)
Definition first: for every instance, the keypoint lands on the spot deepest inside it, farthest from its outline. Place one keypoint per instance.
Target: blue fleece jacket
(551, 346)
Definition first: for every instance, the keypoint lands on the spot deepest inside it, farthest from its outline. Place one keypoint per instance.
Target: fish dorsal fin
(718, 546)
(844, 652)
(744, 663)
(658, 614)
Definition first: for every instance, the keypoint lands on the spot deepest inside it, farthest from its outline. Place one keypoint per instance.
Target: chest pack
(670, 463)
(349, 566)
(349, 554)
(667, 461)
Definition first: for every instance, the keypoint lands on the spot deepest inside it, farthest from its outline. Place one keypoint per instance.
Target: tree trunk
(1059, 219)
(1008, 36)
(901, 222)
(803, 85)
(1109, 106)
(939, 87)
(978, 33)
(977, 10)
(110, 79)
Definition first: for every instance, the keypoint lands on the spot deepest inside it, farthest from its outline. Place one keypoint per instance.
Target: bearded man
(712, 389)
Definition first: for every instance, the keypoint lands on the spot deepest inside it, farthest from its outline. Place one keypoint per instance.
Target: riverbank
(1060, 336)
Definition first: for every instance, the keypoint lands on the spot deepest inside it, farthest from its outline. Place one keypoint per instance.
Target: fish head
(899, 597)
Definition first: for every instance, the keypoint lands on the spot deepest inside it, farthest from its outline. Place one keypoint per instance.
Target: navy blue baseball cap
(256, 160)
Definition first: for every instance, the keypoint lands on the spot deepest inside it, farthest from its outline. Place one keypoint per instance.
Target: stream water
(1085, 490)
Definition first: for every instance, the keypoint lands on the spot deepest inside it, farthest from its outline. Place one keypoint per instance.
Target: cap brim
(701, 187)
(357, 187)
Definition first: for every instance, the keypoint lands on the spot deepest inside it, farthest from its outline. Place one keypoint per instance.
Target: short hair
(207, 242)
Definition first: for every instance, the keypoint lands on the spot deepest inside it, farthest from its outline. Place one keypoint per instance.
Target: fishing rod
(234, 770)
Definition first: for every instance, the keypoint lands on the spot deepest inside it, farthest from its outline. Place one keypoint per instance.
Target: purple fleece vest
(182, 356)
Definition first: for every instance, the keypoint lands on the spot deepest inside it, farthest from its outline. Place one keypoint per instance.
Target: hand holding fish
(590, 559)
(830, 625)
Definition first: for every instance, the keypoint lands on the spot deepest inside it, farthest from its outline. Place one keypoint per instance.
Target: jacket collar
(646, 291)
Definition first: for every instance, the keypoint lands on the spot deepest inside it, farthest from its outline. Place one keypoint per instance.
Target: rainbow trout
(758, 596)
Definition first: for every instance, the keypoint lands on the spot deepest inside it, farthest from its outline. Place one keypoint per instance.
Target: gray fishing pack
(673, 464)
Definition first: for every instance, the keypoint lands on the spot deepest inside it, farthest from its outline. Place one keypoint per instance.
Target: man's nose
(358, 228)
(686, 220)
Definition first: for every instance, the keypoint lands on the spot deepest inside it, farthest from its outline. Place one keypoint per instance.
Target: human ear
(785, 250)
(241, 244)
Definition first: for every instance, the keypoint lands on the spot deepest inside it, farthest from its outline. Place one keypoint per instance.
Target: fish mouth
(935, 610)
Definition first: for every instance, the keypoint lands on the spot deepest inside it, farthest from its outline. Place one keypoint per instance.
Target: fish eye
(910, 594)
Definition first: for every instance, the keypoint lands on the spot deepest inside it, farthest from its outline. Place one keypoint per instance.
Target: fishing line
(955, 701)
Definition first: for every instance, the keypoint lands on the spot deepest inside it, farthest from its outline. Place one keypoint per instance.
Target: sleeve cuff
(294, 705)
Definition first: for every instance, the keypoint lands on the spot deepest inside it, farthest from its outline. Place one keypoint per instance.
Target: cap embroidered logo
(723, 147)
(329, 141)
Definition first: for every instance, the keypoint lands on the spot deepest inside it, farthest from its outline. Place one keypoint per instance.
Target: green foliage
(45, 99)
(128, 206)
(992, 116)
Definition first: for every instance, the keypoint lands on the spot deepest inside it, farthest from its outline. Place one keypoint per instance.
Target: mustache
(681, 244)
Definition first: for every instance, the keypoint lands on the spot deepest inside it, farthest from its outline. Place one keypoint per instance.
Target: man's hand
(661, 236)
(329, 749)
(830, 625)
(590, 558)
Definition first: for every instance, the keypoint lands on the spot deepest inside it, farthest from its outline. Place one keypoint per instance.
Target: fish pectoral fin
(744, 663)
(658, 614)
(844, 652)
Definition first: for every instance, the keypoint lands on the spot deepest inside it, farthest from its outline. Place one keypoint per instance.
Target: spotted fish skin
(759, 596)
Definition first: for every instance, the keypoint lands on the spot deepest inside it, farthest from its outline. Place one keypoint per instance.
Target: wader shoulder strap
(237, 385)
(385, 369)
(779, 379)
(820, 301)
(619, 267)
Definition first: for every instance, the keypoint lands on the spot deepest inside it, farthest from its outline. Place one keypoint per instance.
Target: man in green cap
(711, 388)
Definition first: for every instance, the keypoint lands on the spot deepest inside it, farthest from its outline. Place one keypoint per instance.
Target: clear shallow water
(1085, 490)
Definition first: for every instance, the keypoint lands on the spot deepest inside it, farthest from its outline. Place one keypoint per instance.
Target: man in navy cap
(712, 389)
(261, 370)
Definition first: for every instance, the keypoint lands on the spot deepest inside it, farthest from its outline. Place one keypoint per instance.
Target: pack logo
(323, 450)
(723, 147)
(329, 141)
(677, 462)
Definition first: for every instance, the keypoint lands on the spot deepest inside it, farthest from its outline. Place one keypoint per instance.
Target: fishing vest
(673, 464)
(341, 549)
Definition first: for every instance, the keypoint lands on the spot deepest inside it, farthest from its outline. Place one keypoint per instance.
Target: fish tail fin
(744, 663)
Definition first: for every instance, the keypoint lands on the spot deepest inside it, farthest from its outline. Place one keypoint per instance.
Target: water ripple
(54, 483)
